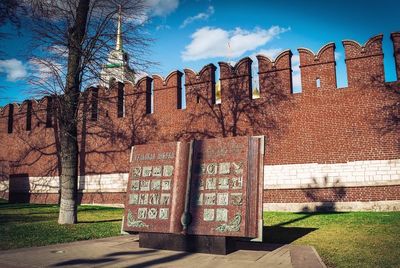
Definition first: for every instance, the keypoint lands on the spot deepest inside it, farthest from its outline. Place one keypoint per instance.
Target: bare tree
(71, 41)
(9, 12)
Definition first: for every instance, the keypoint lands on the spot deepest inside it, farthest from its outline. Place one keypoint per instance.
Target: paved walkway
(124, 251)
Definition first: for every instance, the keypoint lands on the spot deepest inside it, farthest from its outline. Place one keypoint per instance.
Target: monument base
(188, 243)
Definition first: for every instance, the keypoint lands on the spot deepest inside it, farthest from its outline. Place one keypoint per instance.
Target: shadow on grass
(281, 234)
(305, 215)
(25, 206)
(7, 219)
(284, 235)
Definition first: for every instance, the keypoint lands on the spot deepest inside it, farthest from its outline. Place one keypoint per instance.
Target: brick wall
(322, 125)
(332, 195)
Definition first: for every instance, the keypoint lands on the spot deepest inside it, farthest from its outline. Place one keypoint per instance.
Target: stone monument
(196, 196)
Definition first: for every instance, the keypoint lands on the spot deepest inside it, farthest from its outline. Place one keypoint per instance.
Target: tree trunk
(68, 118)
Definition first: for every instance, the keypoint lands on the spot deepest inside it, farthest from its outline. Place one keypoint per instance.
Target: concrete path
(124, 251)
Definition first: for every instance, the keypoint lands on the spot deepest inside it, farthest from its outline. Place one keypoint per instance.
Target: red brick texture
(320, 66)
(337, 194)
(396, 48)
(319, 125)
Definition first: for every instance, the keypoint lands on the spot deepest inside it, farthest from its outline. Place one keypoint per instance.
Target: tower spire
(119, 35)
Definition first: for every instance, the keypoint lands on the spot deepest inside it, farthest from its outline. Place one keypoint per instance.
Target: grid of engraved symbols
(220, 185)
(151, 191)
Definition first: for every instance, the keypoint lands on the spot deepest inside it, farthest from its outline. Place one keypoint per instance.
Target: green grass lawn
(24, 225)
(357, 239)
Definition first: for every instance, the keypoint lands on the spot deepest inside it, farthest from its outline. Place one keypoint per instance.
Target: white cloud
(296, 78)
(139, 75)
(270, 53)
(296, 63)
(337, 55)
(58, 50)
(208, 42)
(14, 69)
(201, 16)
(44, 69)
(161, 7)
(163, 27)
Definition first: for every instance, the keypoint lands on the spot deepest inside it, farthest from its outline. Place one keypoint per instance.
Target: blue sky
(191, 34)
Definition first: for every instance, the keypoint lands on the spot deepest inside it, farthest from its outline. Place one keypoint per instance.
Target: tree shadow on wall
(387, 118)
(104, 142)
(237, 114)
(327, 193)
(33, 150)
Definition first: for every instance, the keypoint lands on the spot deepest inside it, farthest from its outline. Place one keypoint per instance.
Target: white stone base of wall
(336, 206)
(315, 175)
(103, 183)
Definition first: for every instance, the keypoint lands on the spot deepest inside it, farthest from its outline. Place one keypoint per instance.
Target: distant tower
(117, 67)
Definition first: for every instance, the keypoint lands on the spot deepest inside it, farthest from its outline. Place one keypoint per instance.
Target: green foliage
(28, 225)
(356, 239)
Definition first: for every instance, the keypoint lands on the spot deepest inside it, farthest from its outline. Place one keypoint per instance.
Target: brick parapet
(327, 126)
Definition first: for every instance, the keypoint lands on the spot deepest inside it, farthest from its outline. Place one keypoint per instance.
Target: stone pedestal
(189, 243)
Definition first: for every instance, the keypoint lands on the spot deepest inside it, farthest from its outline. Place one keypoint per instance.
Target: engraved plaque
(164, 213)
(142, 213)
(166, 185)
(133, 199)
(168, 171)
(211, 184)
(223, 183)
(222, 214)
(209, 214)
(143, 199)
(164, 201)
(210, 199)
(224, 168)
(237, 182)
(157, 171)
(223, 194)
(147, 171)
(136, 172)
(152, 214)
(222, 199)
(154, 199)
(155, 185)
(212, 169)
(227, 187)
(236, 199)
(144, 185)
(135, 185)
(237, 168)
